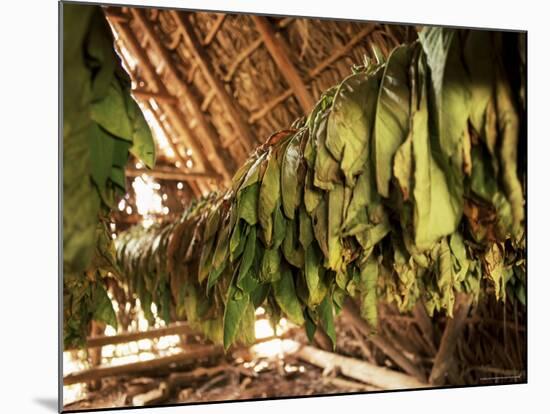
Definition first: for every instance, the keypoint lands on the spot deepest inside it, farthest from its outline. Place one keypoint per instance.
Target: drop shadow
(49, 403)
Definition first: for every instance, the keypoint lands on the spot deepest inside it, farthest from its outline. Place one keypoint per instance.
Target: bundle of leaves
(402, 185)
(102, 125)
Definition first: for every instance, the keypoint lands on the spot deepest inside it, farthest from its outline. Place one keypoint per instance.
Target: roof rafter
(278, 51)
(203, 60)
(219, 158)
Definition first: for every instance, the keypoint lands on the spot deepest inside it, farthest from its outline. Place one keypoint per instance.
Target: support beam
(172, 174)
(215, 29)
(353, 316)
(444, 357)
(278, 52)
(241, 57)
(213, 150)
(203, 60)
(125, 337)
(189, 356)
(159, 97)
(175, 114)
(341, 51)
(259, 114)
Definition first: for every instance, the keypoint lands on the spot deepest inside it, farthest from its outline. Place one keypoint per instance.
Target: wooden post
(203, 61)
(214, 151)
(278, 52)
(444, 357)
(353, 316)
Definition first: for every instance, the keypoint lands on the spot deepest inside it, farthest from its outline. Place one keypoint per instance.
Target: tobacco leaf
(392, 115)
(285, 295)
(270, 191)
(290, 164)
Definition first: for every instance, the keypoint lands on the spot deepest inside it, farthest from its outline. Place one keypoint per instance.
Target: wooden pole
(214, 152)
(353, 316)
(102, 340)
(203, 61)
(172, 174)
(341, 51)
(362, 371)
(188, 356)
(159, 97)
(215, 29)
(444, 357)
(278, 51)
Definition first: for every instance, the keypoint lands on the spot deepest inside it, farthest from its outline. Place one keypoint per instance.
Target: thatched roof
(218, 85)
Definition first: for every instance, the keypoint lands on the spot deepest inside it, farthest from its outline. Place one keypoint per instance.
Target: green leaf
(285, 295)
(335, 213)
(310, 325)
(219, 261)
(248, 255)
(292, 250)
(247, 202)
(326, 317)
(279, 227)
(271, 265)
(143, 144)
(326, 171)
(368, 287)
(102, 307)
(350, 123)
(111, 114)
(451, 89)
(437, 210)
(234, 311)
(290, 191)
(270, 191)
(314, 272)
(392, 115)
(403, 167)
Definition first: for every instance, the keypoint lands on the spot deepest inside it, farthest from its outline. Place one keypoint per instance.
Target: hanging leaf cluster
(404, 184)
(102, 125)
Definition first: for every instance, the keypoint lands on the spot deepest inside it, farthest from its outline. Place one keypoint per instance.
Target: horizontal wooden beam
(172, 174)
(191, 355)
(125, 337)
(157, 96)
